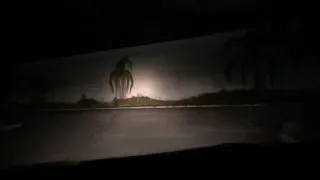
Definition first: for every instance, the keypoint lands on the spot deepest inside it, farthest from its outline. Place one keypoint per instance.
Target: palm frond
(127, 62)
(130, 79)
(236, 50)
(122, 78)
(123, 62)
(127, 84)
(112, 80)
(118, 86)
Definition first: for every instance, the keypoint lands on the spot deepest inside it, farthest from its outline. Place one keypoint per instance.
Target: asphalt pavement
(87, 135)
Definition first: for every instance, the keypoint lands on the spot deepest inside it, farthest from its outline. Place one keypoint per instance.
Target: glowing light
(144, 86)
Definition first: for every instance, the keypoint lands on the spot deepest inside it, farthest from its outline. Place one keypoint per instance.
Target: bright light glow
(145, 86)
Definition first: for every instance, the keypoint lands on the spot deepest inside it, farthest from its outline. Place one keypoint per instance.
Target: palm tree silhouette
(250, 52)
(121, 80)
(235, 51)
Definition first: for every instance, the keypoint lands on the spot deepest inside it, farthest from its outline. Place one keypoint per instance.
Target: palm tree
(121, 80)
(251, 52)
(235, 51)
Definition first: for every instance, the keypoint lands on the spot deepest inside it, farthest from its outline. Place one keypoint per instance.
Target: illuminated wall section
(166, 71)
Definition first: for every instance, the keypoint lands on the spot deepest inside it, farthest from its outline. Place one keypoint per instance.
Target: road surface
(87, 135)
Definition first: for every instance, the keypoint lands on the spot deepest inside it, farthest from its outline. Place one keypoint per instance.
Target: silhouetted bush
(87, 102)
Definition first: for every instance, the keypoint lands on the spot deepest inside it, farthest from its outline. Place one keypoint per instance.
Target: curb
(157, 107)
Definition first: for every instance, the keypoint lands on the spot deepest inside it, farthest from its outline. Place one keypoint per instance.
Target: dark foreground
(87, 135)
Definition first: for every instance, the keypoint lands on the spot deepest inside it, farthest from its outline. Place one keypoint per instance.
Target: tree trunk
(117, 89)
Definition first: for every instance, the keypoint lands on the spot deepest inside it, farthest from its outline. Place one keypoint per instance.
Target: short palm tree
(121, 80)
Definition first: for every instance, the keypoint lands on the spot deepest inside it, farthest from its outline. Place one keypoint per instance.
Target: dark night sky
(41, 30)
(62, 28)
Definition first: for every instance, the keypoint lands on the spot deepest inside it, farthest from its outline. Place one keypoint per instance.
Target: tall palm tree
(251, 52)
(121, 80)
(235, 51)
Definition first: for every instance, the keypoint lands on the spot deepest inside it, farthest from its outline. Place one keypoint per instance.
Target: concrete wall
(170, 70)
